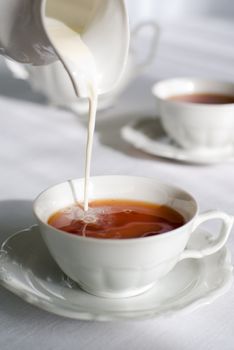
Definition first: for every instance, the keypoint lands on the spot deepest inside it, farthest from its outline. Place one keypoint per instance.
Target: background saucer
(27, 269)
(148, 135)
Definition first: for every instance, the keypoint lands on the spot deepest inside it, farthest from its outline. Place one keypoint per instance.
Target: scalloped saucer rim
(148, 135)
(33, 275)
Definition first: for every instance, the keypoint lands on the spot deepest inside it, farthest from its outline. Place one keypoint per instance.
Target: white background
(174, 9)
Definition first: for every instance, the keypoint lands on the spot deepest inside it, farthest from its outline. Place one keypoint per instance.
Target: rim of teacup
(115, 240)
(209, 86)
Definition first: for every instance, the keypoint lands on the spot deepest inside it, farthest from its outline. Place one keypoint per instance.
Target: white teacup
(52, 80)
(194, 125)
(127, 267)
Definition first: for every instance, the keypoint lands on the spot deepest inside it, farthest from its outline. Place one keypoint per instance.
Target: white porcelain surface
(148, 135)
(195, 125)
(121, 268)
(52, 79)
(24, 36)
(28, 270)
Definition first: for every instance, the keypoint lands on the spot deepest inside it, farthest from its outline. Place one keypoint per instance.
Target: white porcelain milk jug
(52, 80)
(102, 24)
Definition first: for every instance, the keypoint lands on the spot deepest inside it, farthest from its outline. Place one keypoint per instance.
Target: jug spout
(103, 26)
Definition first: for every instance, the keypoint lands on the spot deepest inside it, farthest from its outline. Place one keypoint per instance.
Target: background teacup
(127, 267)
(196, 125)
(52, 80)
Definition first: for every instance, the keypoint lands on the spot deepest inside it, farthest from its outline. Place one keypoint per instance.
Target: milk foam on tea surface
(81, 67)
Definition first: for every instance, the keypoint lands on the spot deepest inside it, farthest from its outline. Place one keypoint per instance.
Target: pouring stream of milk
(80, 65)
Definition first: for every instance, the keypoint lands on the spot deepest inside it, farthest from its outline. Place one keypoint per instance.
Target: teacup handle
(153, 43)
(227, 223)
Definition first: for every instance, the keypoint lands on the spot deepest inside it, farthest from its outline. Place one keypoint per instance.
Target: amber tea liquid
(204, 98)
(117, 219)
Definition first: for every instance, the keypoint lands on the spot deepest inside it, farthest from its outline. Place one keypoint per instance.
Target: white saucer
(148, 135)
(27, 269)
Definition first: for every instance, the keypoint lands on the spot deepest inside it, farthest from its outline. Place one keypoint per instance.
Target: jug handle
(142, 66)
(17, 69)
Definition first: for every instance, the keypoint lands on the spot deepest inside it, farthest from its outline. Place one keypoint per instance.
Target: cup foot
(116, 295)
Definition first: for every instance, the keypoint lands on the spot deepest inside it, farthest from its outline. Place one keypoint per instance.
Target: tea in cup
(134, 233)
(197, 113)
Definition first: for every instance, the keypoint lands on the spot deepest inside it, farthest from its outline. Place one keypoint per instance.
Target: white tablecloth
(40, 146)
